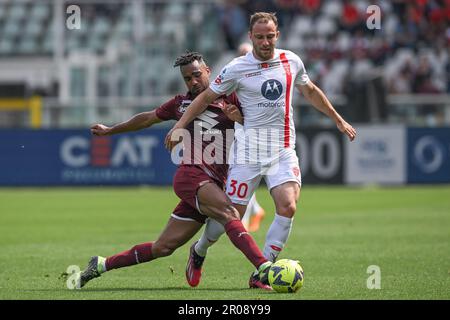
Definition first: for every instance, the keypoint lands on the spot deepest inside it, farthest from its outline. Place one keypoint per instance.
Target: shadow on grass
(95, 290)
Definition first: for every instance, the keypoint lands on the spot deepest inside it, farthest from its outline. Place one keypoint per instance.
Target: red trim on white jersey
(287, 69)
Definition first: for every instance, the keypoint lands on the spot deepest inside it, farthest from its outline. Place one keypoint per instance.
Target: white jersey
(265, 90)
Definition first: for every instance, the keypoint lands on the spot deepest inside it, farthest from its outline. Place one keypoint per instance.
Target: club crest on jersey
(218, 79)
(271, 89)
(220, 76)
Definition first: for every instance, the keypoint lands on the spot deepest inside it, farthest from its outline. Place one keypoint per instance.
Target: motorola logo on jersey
(272, 89)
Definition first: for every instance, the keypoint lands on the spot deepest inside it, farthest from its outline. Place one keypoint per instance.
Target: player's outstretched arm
(137, 122)
(318, 99)
(197, 106)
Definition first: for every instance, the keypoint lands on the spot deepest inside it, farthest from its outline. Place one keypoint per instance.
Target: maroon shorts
(187, 180)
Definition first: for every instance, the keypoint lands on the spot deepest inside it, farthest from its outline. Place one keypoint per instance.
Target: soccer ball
(286, 276)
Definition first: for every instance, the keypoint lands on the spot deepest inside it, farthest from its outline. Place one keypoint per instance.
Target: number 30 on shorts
(241, 189)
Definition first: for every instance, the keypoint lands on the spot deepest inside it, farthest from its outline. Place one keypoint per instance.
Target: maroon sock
(244, 242)
(138, 254)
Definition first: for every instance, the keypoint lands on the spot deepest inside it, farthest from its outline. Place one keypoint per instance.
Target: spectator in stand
(310, 7)
(422, 80)
(402, 83)
(286, 12)
(350, 18)
(447, 68)
(233, 22)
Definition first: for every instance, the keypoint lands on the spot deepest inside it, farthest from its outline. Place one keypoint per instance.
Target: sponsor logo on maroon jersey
(184, 105)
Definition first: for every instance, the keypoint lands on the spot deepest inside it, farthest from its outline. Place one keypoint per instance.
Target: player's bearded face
(196, 77)
(264, 36)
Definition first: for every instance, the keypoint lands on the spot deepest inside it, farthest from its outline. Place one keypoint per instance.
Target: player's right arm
(197, 106)
(318, 99)
(137, 122)
(225, 83)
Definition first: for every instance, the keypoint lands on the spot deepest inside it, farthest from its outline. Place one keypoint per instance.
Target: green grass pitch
(338, 233)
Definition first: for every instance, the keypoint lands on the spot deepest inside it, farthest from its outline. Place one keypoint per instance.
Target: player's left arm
(318, 99)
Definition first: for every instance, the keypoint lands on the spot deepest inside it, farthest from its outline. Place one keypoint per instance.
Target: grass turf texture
(338, 232)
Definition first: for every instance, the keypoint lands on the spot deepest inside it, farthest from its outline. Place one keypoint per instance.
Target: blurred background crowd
(120, 59)
(332, 36)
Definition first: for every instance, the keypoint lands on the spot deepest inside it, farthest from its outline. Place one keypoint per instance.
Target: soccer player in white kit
(254, 212)
(264, 81)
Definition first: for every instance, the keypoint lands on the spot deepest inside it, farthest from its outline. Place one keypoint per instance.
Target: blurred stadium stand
(120, 61)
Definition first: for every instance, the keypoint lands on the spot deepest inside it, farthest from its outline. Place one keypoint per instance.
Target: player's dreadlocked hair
(187, 58)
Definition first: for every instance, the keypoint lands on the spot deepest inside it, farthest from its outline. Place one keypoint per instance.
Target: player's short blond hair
(264, 17)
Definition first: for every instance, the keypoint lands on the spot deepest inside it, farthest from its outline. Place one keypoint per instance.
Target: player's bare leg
(285, 197)
(216, 205)
(241, 208)
(176, 233)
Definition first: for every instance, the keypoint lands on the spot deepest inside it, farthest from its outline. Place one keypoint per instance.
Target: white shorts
(243, 179)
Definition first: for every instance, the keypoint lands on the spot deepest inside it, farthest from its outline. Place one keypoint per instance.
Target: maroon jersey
(210, 134)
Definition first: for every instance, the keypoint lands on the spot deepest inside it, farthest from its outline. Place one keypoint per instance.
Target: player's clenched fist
(100, 130)
(347, 129)
(233, 113)
(173, 138)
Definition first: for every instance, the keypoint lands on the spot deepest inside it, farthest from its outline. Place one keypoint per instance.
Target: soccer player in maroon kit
(198, 183)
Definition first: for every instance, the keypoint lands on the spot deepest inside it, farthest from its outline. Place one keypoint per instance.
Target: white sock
(101, 265)
(277, 236)
(249, 211)
(255, 206)
(213, 231)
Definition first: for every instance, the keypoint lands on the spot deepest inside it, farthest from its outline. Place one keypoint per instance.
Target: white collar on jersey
(252, 58)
